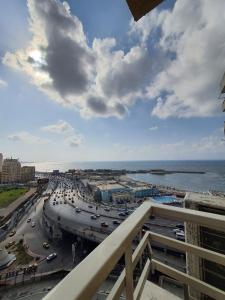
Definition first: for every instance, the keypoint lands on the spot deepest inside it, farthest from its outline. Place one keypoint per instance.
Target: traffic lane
(96, 209)
(69, 215)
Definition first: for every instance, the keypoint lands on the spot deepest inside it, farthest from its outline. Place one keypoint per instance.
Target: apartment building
(213, 240)
(27, 173)
(11, 170)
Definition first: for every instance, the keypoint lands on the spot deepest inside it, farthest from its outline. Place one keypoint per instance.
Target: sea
(212, 179)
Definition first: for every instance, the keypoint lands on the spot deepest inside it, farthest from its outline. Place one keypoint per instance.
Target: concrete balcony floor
(152, 291)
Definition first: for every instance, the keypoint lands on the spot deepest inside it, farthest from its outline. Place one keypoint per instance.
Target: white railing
(84, 281)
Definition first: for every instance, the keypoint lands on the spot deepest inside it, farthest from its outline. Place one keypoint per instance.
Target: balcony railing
(84, 281)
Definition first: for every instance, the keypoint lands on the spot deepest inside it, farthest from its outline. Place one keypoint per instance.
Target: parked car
(98, 216)
(180, 236)
(116, 222)
(90, 206)
(12, 233)
(146, 227)
(104, 224)
(51, 256)
(180, 226)
(121, 214)
(33, 224)
(45, 245)
(28, 220)
(107, 209)
(93, 217)
(78, 210)
(176, 230)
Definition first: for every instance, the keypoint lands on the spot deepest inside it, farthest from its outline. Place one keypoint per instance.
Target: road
(69, 195)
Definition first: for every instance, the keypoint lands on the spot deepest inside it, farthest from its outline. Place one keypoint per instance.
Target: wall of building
(11, 171)
(27, 173)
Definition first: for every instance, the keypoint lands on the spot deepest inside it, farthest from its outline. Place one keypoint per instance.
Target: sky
(81, 81)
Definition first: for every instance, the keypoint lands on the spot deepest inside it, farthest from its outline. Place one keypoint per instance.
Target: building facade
(207, 238)
(11, 171)
(27, 173)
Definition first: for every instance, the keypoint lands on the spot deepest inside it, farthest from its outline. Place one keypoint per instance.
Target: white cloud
(194, 37)
(61, 127)
(96, 80)
(180, 70)
(70, 135)
(75, 140)
(153, 128)
(26, 137)
(3, 83)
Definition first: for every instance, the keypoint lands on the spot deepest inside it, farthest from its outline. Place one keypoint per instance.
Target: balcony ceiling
(139, 8)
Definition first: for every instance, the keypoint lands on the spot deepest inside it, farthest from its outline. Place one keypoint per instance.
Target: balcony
(84, 281)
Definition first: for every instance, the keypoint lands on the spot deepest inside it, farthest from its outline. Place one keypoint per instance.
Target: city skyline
(120, 90)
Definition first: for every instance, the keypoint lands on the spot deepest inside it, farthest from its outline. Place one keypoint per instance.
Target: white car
(33, 224)
(176, 230)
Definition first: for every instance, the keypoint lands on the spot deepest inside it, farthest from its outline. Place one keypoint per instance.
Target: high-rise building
(11, 170)
(1, 161)
(27, 173)
(214, 240)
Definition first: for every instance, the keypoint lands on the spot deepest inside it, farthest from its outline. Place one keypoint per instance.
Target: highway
(70, 197)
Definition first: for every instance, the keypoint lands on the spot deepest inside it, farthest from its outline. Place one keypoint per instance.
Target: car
(146, 227)
(121, 214)
(107, 209)
(104, 224)
(51, 256)
(33, 224)
(180, 234)
(127, 212)
(53, 203)
(176, 230)
(45, 245)
(90, 206)
(28, 220)
(12, 233)
(93, 217)
(78, 210)
(180, 226)
(10, 243)
(116, 222)
(98, 216)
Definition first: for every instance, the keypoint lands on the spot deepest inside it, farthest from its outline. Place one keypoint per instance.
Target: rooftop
(205, 199)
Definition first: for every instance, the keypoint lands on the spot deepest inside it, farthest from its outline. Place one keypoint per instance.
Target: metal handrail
(86, 278)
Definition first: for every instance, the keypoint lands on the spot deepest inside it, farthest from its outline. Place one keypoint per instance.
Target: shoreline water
(212, 179)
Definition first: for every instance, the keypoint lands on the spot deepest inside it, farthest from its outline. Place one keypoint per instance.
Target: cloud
(61, 127)
(3, 83)
(176, 60)
(26, 137)
(153, 128)
(74, 140)
(193, 36)
(70, 135)
(96, 80)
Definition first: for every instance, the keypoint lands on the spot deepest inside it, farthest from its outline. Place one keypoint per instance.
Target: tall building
(11, 170)
(214, 240)
(1, 162)
(27, 173)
